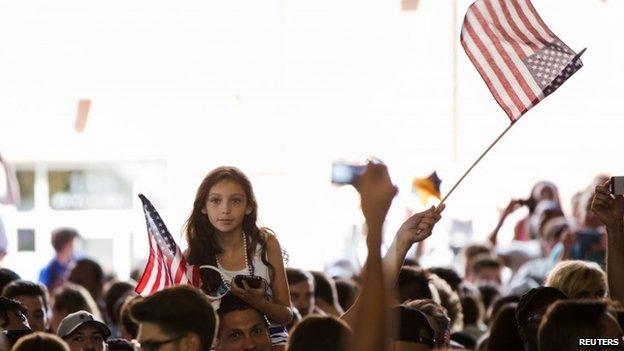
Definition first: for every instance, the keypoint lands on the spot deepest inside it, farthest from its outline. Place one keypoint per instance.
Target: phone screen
(617, 185)
(345, 173)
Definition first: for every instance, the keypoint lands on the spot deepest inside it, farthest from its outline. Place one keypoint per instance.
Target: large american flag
(518, 57)
(166, 265)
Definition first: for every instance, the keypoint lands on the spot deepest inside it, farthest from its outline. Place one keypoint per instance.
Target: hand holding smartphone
(253, 282)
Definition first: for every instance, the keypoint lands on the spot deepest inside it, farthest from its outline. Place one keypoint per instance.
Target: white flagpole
(419, 231)
(475, 163)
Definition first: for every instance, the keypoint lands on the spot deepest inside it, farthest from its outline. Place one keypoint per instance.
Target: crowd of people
(556, 288)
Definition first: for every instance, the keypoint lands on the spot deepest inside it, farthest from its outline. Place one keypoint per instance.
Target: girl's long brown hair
(201, 234)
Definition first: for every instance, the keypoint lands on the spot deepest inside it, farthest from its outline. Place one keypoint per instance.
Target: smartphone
(617, 185)
(344, 173)
(253, 282)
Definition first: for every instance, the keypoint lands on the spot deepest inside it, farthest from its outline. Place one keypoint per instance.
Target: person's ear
(248, 210)
(203, 211)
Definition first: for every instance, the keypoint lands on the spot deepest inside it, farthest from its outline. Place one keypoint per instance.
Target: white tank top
(260, 269)
(278, 334)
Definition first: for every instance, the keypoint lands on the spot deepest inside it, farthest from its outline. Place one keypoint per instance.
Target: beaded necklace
(250, 268)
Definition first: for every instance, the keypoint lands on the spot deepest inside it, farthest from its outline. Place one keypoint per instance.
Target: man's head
(40, 341)
(472, 307)
(472, 251)
(34, 298)
(486, 268)
(411, 330)
(175, 319)
(449, 275)
(325, 294)
(89, 274)
(71, 298)
(531, 309)
(119, 344)
(83, 332)
(7, 276)
(569, 322)
(320, 333)
(63, 241)
(348, 291)
(413, 283)
(241, 327)
(115, 296)
(301, 286)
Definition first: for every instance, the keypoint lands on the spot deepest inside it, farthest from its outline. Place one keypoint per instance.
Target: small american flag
(166, 265)
(518, 57)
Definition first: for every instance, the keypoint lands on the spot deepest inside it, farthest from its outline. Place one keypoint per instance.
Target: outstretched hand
(419, 226)
(608, 208)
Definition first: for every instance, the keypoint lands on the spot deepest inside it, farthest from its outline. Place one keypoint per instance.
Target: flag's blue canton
(553, 65)
(164, 239)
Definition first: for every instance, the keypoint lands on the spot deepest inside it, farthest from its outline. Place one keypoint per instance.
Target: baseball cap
(408, 324)
(75, 320)
(542, 296)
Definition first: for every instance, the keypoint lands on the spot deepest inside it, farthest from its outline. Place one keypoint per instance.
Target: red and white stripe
(498, 35)
(163, 271)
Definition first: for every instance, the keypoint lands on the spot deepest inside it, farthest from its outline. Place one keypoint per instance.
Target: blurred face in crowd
(86, 338)
(226, 206)
(153, 338)
(85, 275)
(488, 274)
(243, 331)
(302, 297)
(35, 312)
(68, 250)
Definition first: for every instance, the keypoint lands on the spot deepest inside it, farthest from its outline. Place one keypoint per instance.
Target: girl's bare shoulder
(270, 239)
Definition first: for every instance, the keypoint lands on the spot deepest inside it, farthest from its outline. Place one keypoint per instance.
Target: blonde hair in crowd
(573, 277)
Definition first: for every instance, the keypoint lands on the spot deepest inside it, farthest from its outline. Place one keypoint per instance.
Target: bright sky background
(282, 88)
